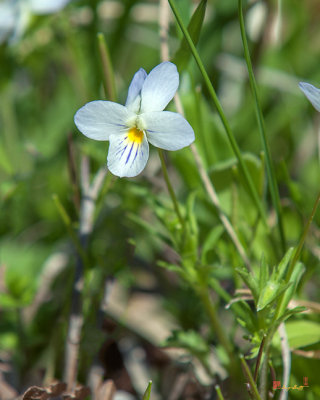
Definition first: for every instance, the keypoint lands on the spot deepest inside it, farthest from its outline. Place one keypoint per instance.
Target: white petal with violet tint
(312, 93)
(127, 158)
(168, 130)
(134, 98)
(159, 87)
(99, 119)
(47, 6)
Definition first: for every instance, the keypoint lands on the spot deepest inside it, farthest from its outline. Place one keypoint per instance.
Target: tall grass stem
(170, 188)
(107, 69)
(252, 190)
(269, 165)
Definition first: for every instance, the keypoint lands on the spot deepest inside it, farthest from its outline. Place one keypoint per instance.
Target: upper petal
(159, 87)
(125, 157)
(134, 99)
(312, 93)
(47, 6)
(99, 119)
(168, 130)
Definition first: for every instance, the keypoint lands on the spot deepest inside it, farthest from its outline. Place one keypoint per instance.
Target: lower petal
(127, 158)
(168, 130)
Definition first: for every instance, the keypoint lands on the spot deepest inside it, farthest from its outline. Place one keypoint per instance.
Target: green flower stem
(68, 224)
(170, 188)
(215, 324)
(107, 69)
(270, 170)
(249, 376)
(233, 143)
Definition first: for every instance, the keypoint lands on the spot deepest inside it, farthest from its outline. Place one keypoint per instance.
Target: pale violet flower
(130, 128)
(15, 15)
(312, 94)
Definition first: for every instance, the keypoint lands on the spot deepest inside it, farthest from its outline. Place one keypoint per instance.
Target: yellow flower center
(135, 135)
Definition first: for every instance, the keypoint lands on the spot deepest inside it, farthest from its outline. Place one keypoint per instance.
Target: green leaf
(286, 315)
(270, 293)
(264, 273)
(5, 162)
(210, 242)
(147, 393)
(250, 282)
(223, 172)
(190, 340)
(294, 280)
(183, 55)
(302, 333)
(23, 267)
(169, 267)
(281, 269)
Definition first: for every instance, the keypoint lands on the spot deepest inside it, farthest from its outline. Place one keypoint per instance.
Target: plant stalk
(170, 188)
(270, 169)
(230, 135)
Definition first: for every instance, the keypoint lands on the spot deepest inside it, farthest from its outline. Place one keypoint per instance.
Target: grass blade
(147, 393)
(270, 170)
(183, 55)
(252, 190)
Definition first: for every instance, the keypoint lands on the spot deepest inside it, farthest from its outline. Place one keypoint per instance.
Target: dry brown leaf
(35, 393)
(80, 393)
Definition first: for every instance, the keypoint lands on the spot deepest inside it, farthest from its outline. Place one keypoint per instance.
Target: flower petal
(168, 130)
(159, 87)
(312, 93)
(125, 157)
(47, 6)
(134, 99)
(99, 119)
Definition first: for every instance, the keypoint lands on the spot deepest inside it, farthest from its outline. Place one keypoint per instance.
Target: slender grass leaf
(183, 54)
(147, 393)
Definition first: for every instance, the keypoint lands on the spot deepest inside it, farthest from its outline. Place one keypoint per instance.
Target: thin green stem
(107, 69)
(233, 143)
(263, 378)
(259, 359)
(68, 224)
(170, 188)
(249, 376)
(215, 323)
(270, 169)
